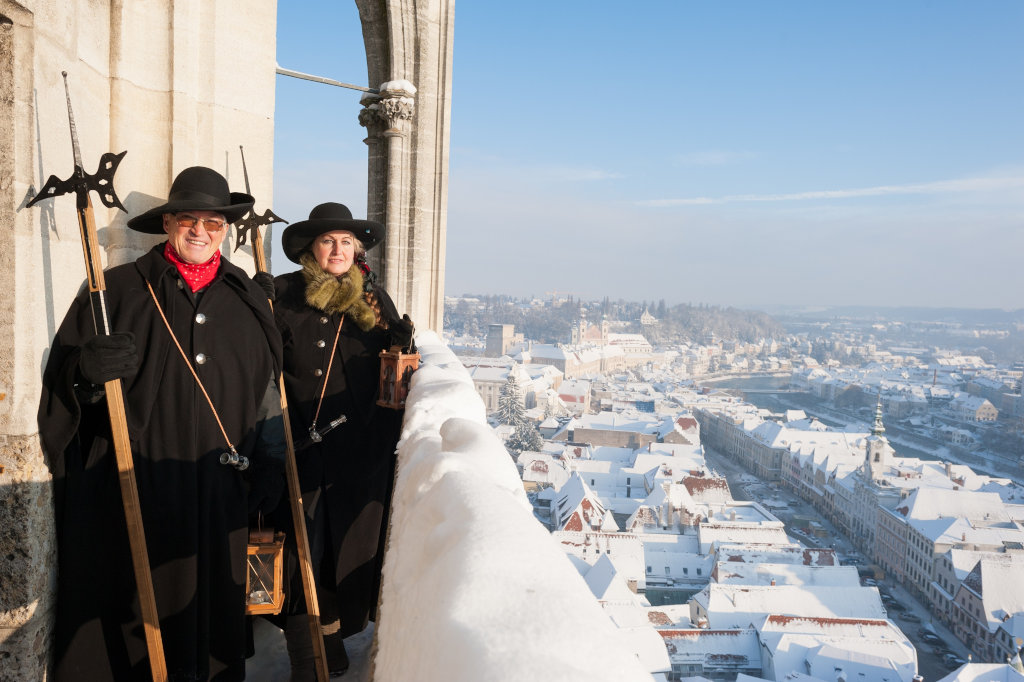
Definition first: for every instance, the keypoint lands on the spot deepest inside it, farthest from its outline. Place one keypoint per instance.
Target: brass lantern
(396, 368)
(264, 585)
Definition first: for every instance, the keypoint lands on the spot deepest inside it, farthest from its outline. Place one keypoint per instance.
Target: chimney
(773, 582)
(949, 470)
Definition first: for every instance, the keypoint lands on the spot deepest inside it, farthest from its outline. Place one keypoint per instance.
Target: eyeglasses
(188, 221)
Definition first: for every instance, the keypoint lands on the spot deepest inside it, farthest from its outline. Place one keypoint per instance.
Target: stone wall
(174, 84)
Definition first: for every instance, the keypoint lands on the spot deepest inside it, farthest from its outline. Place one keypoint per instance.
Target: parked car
(894, 605)
(870, 582)
(911, 617)
(931, 639)
(953, 661)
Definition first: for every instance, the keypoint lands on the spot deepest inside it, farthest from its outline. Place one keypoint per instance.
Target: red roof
(687, 423)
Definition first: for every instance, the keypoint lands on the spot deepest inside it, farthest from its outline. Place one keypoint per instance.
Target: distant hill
(551, 322)
(968, 317)
(697, 323)
(994, 334)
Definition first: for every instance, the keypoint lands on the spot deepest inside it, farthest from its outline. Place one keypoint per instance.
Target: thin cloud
(713, 157)
(696, 201)
(471, 162)
(940, 187)
(570, 174)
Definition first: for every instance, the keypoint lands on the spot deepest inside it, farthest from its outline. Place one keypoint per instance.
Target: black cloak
(346, 479)
(194, 509)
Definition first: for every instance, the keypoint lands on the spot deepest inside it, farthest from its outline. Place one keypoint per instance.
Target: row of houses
(946, 533)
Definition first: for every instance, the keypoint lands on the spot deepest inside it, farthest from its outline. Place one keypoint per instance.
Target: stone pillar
(26, 529)
(409, 51)
(376, 202)
(397, 106)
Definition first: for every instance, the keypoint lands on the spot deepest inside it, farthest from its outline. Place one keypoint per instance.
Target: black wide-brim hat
(195, 189)
(328, 217)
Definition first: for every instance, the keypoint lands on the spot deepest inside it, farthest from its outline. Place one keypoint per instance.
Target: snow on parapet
(474, 587)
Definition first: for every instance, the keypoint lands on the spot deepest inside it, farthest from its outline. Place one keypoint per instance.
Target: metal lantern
(396, 370)
(264, 586)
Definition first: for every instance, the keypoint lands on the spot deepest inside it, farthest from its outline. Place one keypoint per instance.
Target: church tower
(878, 454)
(578, 327)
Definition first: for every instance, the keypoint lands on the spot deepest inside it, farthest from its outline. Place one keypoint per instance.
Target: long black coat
(345, 479)
(194, 509)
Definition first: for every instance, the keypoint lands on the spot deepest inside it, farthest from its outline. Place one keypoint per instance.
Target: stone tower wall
(175, 84)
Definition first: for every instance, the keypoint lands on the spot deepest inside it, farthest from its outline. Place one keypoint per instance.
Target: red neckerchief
(196, 275)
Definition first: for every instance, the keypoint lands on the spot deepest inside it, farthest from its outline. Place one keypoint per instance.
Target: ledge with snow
(475, 588)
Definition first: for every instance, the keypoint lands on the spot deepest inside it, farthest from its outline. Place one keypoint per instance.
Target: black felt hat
(195, 189)
(327, 218)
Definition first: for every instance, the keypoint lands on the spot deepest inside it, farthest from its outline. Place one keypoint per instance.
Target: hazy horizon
(764, 307)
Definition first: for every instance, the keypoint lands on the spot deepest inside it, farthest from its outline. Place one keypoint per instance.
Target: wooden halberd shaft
(295, 492)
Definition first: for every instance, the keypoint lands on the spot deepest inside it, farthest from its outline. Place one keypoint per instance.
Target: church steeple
(879, 428)
(877, 450)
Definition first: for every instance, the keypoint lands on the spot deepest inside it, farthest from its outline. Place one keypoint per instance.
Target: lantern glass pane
(261, 577)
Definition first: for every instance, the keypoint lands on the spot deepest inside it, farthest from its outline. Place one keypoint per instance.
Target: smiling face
(336, 251)
(195, 235)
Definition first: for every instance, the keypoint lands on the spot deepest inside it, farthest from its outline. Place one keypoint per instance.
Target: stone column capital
(396, 106)
(370, 116)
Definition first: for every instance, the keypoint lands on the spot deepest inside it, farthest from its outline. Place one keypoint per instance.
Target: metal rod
(326, 81)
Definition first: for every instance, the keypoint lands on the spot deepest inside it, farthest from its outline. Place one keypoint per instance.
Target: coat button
(201, 358)
(200, 318)
(181, 285)
(321, 343)
(324, 320)
(317, 372)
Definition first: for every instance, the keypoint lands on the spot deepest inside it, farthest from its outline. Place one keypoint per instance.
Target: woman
(195, 510)
(334, 322)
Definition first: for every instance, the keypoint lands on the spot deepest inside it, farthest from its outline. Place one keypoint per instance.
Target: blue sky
(736, 153)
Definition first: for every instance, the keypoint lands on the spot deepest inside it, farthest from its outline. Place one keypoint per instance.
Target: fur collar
(331, 294)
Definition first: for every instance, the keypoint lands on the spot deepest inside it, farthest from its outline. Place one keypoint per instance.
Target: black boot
(337, 657)
(300, 648)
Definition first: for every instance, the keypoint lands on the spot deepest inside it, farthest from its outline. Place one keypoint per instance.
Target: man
(195, 509)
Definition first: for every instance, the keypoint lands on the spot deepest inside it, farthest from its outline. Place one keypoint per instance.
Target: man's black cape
(194, 509)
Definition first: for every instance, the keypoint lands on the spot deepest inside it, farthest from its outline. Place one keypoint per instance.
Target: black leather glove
(402, 332)
(266, 282)
(265, 489)
(105, 358)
